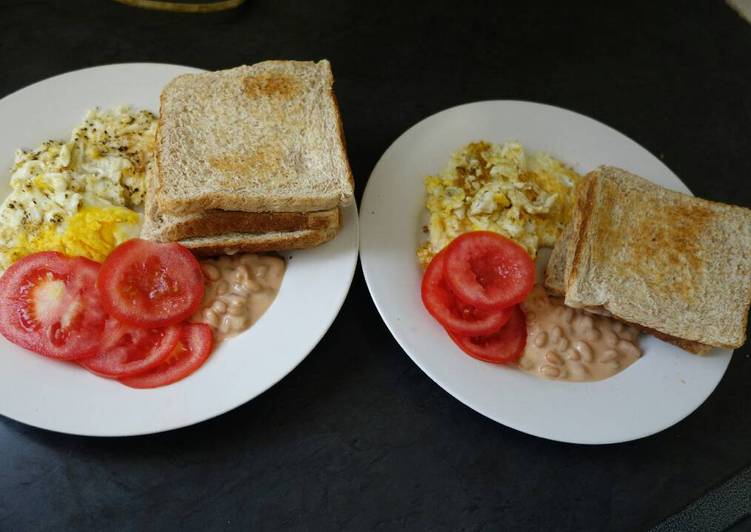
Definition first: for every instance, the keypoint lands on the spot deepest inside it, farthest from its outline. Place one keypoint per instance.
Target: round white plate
(65, 398)
(660, 389)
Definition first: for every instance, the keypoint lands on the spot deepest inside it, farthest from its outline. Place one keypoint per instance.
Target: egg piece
(91, 232)
(500, 188)
(79, 196)
(95, 232)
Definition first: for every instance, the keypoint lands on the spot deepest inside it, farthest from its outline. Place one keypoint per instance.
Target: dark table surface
(357, 437)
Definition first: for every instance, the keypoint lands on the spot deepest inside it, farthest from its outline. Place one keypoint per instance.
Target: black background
(357, 437)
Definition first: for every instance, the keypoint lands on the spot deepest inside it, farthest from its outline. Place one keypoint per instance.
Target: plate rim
(391, 326)
(352, 253)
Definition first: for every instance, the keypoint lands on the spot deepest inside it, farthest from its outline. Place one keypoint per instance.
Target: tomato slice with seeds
(501, 347)
(148, 284)
(487, 270)
(192, 350)
(127, 350)
(449, 311)
(49, 304)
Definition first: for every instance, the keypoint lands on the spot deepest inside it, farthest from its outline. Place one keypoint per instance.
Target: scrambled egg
(77, 197)
(491, 187)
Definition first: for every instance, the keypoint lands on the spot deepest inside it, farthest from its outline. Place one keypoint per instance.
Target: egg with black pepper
(79, 197)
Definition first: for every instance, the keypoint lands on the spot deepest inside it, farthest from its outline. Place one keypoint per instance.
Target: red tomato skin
(193, 349)
(488, 270)
(502, 347)
(447, 310)
(116, 361)
(127, 283)
(78, 304)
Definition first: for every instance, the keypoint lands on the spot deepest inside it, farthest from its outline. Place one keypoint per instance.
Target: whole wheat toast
(671, 264)
(562, 253)
(173, 227)
(261, 138)
(231, 243)
(218, 232)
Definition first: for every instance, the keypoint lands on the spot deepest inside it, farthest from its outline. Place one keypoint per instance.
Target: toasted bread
(261, 138)
(231, 243)
(562, 253)
(216, 232)
(674, 265)
(174, 227)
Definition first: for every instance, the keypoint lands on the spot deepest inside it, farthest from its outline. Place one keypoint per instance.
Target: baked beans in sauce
(569, 344)
(239, 289)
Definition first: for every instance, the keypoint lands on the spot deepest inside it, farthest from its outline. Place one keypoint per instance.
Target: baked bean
(611, 339)
(219, 306)
(570, 344)
(584, 350)
(239, 290)
(225, 325)
(234, 300)
(237, 323)
(592, 334)
(586, 322)
(210, 271)
(237, 310)
(222, 287)
(541, 339)
(210, 317)
(613, 365)
(241, 273)
(628, 349)
(578, 370)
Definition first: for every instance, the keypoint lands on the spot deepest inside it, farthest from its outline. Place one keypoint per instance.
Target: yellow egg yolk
(92, 232)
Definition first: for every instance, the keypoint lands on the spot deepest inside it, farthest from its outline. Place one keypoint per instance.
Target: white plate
(65, 398)
(657, 391)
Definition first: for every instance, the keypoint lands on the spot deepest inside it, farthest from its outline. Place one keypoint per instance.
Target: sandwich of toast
(260, 138)
(225, 232)
(674, 265)
(171, 228)
(249, 159)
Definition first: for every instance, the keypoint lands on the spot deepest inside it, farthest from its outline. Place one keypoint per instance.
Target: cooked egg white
(501, 188)
(77, 197)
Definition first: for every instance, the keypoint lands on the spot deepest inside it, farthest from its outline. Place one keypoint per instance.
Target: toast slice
(555, 271)
(672, 264)
(231, 243)
(174, 227)
(261, 138)
(560, 257)
(219, 232)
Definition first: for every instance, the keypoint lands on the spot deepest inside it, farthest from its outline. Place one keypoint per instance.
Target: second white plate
(660, 389)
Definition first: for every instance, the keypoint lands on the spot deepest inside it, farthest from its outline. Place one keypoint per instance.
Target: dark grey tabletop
(357, 437)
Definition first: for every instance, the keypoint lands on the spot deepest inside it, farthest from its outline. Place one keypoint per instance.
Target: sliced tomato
(501, 347)
(150, 284)
(192, 350)
(452, 313)
(127, 350)
(487, 270)
(49, 304)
